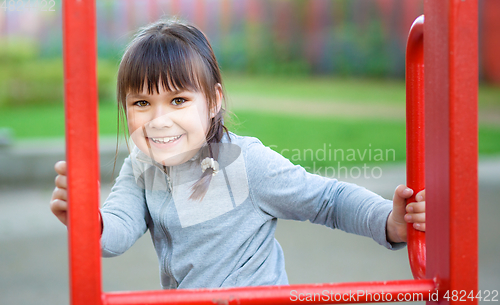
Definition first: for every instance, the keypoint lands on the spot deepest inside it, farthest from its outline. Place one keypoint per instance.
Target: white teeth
(164, 140)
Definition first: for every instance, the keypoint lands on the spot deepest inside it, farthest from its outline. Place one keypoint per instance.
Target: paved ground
(33, 247)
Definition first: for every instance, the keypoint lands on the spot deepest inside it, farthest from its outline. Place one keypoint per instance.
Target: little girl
(209, 197)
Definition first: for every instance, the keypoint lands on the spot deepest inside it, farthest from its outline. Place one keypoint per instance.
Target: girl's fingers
(419, 226)
(60, 168)
(415, 218)
(61, 182)
(60, 193)
(57, 206)
(416, 212)
(60, 208)
(399, 202)
(402, 192)
(420, 195)
(416, 207)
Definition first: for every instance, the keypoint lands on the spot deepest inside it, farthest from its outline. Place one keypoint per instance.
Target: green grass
(313, 142)
(489, 140)
(334, 89)
(296, 137)
(48, 121)
(320, 89)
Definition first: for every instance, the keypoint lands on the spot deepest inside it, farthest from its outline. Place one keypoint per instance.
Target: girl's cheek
(133, 121)
(130, 121)
(132, 127)
(137, 137)
(202, 118)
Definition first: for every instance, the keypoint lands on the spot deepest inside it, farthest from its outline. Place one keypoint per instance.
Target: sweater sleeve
(124, 213)
(281, 189)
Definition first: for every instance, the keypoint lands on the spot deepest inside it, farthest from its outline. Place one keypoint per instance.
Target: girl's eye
(141, 103)
(178, 101)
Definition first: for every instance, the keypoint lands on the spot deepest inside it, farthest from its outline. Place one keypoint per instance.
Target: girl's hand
(58, 202)
(402, 214)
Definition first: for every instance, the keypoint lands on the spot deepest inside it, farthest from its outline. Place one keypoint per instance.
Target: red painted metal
(79, 43)
(450, 51)
(451, 160)
(341, 293)
(463, 58)
(415, 138)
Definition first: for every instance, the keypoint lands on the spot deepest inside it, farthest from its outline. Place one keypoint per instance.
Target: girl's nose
(161, 119)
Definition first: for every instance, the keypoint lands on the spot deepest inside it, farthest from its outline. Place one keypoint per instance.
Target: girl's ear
(219, 96)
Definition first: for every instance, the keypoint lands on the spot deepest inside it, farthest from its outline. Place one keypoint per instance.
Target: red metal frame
(415, 138)
(79, 46)
(450, 56)
(451, 80)
(277, 295)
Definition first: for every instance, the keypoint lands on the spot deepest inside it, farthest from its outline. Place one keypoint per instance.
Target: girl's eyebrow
(140, 95)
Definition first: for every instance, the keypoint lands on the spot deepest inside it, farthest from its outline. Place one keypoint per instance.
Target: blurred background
(299, 75)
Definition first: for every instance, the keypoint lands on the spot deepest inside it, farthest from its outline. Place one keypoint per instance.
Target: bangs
(161, 60)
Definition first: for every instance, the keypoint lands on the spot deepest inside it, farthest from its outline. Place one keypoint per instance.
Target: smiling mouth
(165, 140)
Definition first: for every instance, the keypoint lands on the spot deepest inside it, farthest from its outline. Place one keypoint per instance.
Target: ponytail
(214, 138)
(200, 188)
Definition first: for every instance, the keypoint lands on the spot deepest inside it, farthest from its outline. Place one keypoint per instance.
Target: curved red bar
(328, 293)
(415, 138)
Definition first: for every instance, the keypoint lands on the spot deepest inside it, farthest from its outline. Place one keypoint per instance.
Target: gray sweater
(227, 239)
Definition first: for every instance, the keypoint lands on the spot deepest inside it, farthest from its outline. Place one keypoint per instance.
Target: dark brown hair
(176, 56)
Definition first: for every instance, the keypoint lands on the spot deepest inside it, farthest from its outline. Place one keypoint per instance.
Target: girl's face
(169, 126)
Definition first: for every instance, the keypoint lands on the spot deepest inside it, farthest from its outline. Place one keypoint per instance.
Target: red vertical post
(80, 95)
(451, 80)
(415, 138)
